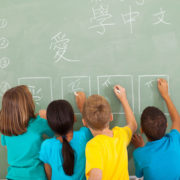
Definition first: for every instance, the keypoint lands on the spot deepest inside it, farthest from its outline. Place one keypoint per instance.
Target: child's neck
(105, 131)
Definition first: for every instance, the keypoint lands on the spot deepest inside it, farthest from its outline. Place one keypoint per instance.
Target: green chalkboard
(61, 46)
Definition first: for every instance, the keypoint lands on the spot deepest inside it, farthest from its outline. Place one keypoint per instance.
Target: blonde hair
(17, 108)
(97, 112)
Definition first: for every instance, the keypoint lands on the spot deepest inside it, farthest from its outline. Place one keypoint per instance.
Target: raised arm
(163, 89)
(130, 119)
(80, 100)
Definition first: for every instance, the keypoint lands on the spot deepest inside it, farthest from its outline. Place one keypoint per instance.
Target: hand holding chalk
(75, 93)
(120, 92)
(163, 87)
(80, 100)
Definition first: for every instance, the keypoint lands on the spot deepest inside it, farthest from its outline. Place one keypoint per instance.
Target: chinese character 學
(100, 17)
(59, 44)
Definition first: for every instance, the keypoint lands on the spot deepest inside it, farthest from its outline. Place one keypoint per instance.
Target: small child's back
(23, 151)
(159, 159)
(109, 154)
(51, 153)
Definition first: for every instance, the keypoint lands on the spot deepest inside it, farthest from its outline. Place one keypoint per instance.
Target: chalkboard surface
(61, 46)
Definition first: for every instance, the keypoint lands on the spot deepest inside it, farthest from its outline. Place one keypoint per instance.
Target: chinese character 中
(129, 18)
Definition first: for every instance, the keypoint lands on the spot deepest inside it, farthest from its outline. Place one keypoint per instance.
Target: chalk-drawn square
(41, 89)
(71, 84)
(105, 88)
(149, 94)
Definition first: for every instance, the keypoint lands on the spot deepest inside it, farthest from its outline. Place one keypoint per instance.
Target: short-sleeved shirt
(159, 159)
(23, 151)
(109, 154)
(51, 153)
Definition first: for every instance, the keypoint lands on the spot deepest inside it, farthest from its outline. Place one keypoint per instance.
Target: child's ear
(75, 119)
(111, 117)
(84, 123)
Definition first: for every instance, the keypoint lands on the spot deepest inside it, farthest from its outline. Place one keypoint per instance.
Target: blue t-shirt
(159, 160)
(23, 151)
(51, 153)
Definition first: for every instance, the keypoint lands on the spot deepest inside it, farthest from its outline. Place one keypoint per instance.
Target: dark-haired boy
(159, 159)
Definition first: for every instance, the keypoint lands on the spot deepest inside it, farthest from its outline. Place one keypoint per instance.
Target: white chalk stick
(75, 93)
(118, 91)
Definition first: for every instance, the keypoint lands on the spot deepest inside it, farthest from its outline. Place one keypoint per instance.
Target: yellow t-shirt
(109, 154)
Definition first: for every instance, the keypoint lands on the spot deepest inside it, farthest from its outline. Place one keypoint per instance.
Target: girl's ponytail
(68, 157)
(60, 116)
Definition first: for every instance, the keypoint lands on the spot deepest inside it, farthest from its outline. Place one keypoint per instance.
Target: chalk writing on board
(161, 17)
(4, 62)
(40, 87)
(75, 86)
(4, 86)
(36, 93)
(129, 18)
(3, 43)
(148, 90)
(96, 0)
(107, 83)
(71, 84)
(3, 23)
(140, 2)
(150, 83)
(105, 86)
(59, 44)
(100, 19)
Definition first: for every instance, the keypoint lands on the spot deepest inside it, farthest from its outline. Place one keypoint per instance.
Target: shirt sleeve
(86, 133)
(138, 168)
(94, 158)
(3, 141)
(45, 127)
(43, 154)
(175, 136)
(126, 132)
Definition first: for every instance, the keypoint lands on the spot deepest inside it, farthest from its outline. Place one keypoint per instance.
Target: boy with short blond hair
(106, 153)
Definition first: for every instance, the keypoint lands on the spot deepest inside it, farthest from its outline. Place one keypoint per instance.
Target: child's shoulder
(82, 130)
(49, 143)
(122, 131)
(83, 133)
(37, 121)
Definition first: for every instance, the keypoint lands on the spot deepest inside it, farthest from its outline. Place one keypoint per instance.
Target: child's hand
(163, 87)
(42, 113)
(120, 92)
(137, 141)
(80, 100)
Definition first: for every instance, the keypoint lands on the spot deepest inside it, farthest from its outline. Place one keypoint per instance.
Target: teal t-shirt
(51, 153)
(159, 160)
(23, 151)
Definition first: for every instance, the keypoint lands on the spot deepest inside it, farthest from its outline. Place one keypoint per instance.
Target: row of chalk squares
(42, 90)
